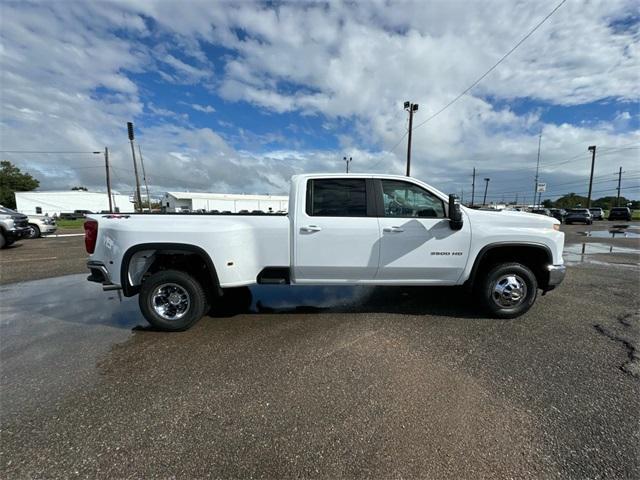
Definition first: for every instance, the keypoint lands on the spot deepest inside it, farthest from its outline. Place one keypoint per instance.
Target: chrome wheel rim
(509, 291)
(170, 301)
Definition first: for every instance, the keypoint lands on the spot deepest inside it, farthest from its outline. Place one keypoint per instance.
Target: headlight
(556, 226)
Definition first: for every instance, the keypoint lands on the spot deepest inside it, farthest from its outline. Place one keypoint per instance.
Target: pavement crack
(627, 332)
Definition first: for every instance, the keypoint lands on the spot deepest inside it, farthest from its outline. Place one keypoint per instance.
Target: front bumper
(100, 274)
(16, 233)
(556, 275)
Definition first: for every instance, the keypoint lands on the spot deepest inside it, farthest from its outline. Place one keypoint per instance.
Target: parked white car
(41, 225)
(340, 230)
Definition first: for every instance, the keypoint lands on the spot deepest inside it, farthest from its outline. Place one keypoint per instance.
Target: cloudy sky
(238, 96)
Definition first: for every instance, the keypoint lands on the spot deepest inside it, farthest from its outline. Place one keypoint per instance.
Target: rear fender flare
(131, 290)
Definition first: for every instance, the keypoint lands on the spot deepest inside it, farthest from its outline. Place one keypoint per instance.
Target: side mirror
(455, 213)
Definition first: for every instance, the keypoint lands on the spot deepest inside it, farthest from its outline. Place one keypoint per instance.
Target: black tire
(34, 232)
(180, 284)
(3, 241)
(488, 285)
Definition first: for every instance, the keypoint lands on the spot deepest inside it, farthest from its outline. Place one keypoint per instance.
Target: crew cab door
(336, 233)
(416, 242)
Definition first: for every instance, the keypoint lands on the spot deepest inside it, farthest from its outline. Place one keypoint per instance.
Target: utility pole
(411, 108)
(486, 187)
(135, 164)
(106, 165)
(473, 186)
(516, 202)
(144, 178)
(462, 196)
(619, 181)
(592, 149)
(535, 187)
(347, 161)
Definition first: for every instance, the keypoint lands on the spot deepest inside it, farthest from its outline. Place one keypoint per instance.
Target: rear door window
(337, 197)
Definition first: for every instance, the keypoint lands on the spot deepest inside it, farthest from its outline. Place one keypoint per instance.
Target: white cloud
(203, 108)
(351, 63)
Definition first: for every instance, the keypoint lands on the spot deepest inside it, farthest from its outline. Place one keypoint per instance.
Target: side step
(274, 276)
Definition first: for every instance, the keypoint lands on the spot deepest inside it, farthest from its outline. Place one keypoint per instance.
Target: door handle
(393, 229)
(310, 228)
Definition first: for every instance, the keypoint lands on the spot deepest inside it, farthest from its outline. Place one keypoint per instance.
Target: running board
(274, 276)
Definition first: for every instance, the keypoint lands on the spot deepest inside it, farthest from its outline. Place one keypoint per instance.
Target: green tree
(571, 200)
(13, 180)
(547, 203)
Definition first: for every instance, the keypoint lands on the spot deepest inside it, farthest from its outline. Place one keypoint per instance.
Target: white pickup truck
(340, 230)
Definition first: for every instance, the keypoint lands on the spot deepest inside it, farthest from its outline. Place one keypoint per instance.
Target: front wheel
(172, 300)
(508, 290)
(34, 231)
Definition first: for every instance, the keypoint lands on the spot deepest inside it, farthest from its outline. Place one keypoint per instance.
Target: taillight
(90, 235)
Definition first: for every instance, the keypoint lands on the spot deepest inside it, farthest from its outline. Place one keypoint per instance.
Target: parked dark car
(578, 215)
(620, 213)
(597, 213)
(542, 211)
(558, 214)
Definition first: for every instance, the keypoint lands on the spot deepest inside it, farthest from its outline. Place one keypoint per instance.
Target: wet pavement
(328, 382)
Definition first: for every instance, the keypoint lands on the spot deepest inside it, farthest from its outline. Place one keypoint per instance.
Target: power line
(49, 152)
(493, 67)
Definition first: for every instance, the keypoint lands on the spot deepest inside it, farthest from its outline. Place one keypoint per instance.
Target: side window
(403, 199)
(38, 210)
(339, 197)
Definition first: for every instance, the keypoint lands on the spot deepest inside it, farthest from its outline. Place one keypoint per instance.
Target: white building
(194, 201)
(55, 203)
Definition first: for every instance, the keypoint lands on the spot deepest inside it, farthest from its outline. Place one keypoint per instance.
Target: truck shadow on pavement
(264, 299)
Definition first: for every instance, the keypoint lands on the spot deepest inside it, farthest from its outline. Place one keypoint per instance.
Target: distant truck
(340, 230)
(13, 226)
(75, 215)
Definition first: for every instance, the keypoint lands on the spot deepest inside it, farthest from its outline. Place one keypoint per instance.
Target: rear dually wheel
(172, 300)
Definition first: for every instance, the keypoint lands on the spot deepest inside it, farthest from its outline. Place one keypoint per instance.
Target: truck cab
(340, 230)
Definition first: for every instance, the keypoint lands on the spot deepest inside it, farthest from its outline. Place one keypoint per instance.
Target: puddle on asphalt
(612, 233)
(583, 252)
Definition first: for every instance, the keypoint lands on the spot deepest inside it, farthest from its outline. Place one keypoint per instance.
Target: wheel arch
(529, 254)
(130, 290)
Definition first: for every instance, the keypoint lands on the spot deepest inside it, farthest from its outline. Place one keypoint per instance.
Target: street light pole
(592, 149)
(535, 187)
(486, 187)
(619, 182)
(144, 178)
(473, 186)
(411, 108)
(347, 161)
(135, 165)
(106, 165)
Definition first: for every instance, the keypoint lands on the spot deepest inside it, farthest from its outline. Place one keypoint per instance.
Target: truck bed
(243, 244)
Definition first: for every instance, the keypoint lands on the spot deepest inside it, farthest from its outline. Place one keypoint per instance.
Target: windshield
(7, 211)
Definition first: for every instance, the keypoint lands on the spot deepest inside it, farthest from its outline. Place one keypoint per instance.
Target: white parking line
(66, 235)
(29, 260)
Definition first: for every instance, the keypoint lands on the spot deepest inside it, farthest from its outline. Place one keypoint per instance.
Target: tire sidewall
(35, 231)
(489, 283)
(197, 298)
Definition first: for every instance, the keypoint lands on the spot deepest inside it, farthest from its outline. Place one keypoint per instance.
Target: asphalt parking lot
(323, 382)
